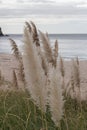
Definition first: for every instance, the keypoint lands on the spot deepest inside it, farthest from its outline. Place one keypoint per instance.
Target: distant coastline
(1, 33)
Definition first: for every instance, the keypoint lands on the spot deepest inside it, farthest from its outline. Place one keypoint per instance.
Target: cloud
(36, 1)
(44, 10)
(53, 14)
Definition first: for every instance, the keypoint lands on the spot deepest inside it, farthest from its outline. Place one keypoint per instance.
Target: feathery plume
(14, 81)
(18, 56)
(35, 34)
(2, 80)
(76, 75)
(70, 89)
(28, 26)
(56, 102)
(42, 83)
(21, 72)
(33, 72)
(44, 65)
(46, 47)
(62, 70)
(15, 49)
(0, 75)
(74, 87)
(55, 53)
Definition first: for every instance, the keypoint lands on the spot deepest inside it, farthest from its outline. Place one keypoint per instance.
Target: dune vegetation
(46, 101)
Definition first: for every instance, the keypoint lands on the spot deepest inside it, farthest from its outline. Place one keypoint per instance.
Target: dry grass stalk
(21, 72)
(35, 34)
(74, 88)
(46, 47)
(14, 81)
(2, 80)
(15, 49)
(62, 70)
(28, 27)
(0, 75)
(44, 65)
(72, 81)
(70, 89)
(56, 99)
(55, 53)
(18, 56)
(33, 71)
(50, 55)
(41, 75)
(76, 75)
(33, 31)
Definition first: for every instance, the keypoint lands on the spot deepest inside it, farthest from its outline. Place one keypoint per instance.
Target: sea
(70, 45)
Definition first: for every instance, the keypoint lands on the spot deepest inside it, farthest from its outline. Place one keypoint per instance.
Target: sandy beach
(83, 76)
(8, 63)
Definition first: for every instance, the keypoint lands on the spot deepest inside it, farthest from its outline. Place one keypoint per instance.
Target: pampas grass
(33, 30)
(74, 87)
(76, 76)
(2, 80)
(15, 49)
(33, 71)
(18, 56)
(44, 87)
(14, 80)
(76, 73)
(35, 34)
(41, 72)
(44, 65)
(46, 46)
(62, 70)
(28, 27)
(21, 72)
(56, 102)
(55, 53)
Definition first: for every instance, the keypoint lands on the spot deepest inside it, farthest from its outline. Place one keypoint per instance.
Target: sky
(52, 16)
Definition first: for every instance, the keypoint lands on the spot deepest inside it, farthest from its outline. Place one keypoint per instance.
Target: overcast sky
(52, 16)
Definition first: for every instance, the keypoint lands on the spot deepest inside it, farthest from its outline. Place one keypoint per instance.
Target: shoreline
(8, 63)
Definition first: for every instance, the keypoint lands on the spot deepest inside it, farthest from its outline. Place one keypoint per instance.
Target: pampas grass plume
(43, 82)
(55, 53)
(14, 80)
(46, 46)
(62, 70)
(33, 72)
(56, 102)
(76, 75)
(15, 49)
(35, 34)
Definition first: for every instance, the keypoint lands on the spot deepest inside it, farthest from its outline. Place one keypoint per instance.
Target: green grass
(18, 112)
